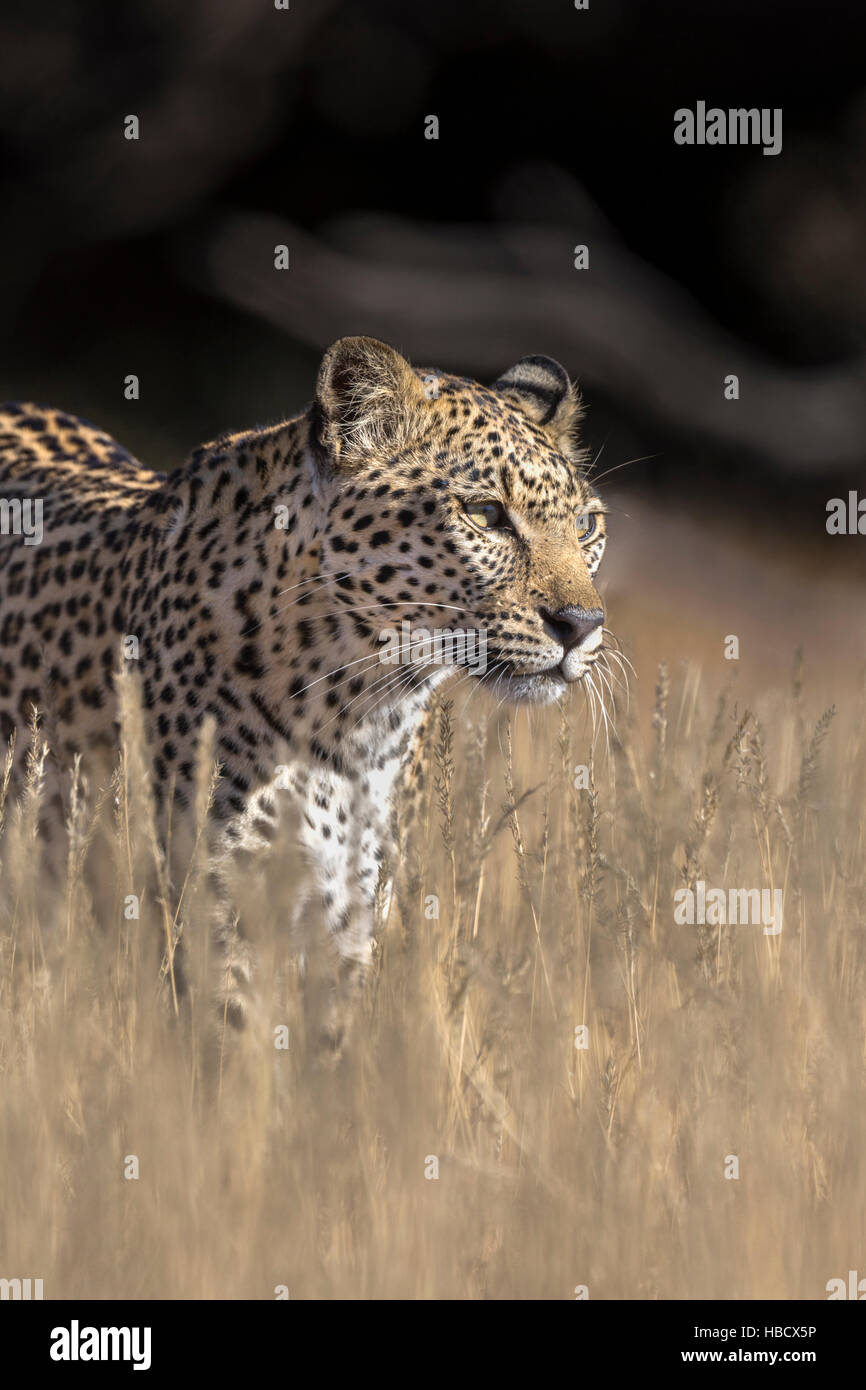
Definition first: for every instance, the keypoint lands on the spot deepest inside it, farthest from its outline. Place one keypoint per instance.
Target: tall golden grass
(537, 907)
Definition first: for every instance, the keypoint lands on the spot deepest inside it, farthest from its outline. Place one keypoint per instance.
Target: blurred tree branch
(483, 296)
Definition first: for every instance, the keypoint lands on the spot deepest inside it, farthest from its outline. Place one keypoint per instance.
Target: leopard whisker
(398, 682)
(612, 637)
(623, 669)
(257, 622)
(367, 691)
(589, 690)
(609, 723)
(372, 657)
(330, 575)
(622, 681)
(347, 608)
(397, 603)
(603, 677)
(478, 683)
(644, 458)
(597, 695)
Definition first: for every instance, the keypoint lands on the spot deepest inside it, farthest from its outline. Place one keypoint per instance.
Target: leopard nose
(571, 626)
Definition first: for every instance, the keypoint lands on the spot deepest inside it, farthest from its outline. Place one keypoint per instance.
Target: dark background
(556, 128)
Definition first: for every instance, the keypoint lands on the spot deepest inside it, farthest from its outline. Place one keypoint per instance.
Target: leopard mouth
(535, 687)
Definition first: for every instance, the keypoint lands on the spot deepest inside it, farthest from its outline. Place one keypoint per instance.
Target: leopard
(254, 585)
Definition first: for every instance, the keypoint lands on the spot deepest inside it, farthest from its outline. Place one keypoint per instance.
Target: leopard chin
(536, 688)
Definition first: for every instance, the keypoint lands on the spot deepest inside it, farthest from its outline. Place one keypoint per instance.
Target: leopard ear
(541, 388)
(367, 398)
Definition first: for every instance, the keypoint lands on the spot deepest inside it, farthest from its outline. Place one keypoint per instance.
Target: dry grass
(558, 1167)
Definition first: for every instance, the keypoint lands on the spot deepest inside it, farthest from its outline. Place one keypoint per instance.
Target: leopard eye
(586, 524)
(487, 516)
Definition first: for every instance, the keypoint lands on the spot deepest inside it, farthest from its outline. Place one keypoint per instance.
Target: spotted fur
(259, 575)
